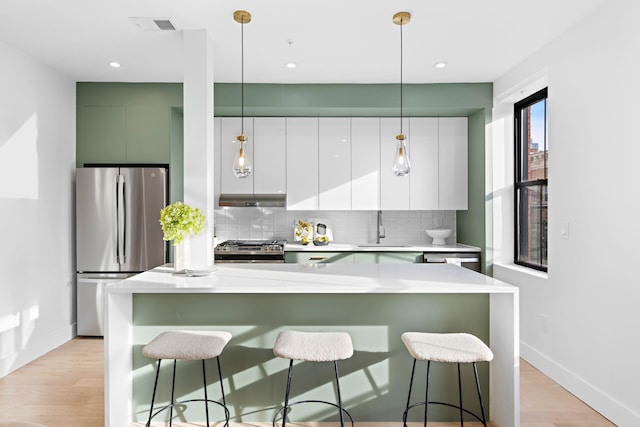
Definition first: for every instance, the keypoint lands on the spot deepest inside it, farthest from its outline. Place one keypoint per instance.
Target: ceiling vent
(153, 24)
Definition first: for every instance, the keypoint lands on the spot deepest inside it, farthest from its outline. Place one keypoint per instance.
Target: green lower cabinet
(318, 257)
(353, 257)
(387, 257)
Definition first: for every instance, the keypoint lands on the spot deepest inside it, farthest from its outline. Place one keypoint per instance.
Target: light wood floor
(64, 388)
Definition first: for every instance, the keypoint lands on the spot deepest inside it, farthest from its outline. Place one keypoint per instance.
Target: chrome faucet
(381, 233)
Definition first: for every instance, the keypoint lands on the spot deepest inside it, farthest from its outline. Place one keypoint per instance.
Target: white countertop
(316, 278)
(372, 247)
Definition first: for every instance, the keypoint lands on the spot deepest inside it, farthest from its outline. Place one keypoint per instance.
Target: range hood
(253, 200)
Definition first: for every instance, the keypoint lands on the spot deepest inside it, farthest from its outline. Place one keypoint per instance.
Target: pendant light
(242, 163)
(401, 163)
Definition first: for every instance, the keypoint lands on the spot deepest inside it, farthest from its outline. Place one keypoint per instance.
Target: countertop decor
(180, 221)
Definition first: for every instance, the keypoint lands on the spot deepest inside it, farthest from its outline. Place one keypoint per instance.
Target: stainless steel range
(250, 251)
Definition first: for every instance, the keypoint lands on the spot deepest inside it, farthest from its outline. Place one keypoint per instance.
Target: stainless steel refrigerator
(118, 233)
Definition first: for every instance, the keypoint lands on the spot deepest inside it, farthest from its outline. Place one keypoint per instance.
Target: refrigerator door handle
(124, 220)
(117, 214)
(120, 219)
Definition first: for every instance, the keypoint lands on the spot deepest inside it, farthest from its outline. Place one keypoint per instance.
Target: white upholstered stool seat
(313, 346)
(448, 348)
(187, 345)
(456, 348)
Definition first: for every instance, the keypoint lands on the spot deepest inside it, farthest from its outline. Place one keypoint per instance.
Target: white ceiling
(334, 41)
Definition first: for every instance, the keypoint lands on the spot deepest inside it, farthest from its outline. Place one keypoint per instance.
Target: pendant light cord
(242, 77)
(401, 56)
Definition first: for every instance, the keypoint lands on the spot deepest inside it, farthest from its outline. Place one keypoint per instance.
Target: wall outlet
(564, 230)
(544, 323)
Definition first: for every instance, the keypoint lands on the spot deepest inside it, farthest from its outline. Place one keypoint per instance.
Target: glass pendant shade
(401, 163)
(242, 163)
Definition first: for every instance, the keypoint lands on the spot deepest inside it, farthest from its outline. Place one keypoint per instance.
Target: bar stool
(312, 347)
(187, 345)
(446, 348)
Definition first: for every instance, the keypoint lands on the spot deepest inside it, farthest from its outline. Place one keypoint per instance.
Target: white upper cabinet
(269, 162)
(334, 162)
(230, 129)
(453, 185)
(423, 178)
(342, 163)
(302, 163)
(365, 163)
(394, 190)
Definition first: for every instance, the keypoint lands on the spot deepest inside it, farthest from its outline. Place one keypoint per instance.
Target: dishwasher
(470, 260)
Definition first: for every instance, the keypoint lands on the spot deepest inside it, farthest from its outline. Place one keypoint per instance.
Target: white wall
(580, 322)
(37, 163)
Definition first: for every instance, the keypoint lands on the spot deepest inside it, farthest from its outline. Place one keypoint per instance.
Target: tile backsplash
(356, 227)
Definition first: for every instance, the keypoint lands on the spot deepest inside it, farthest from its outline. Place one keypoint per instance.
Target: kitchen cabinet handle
(317, 258)
(444, 260)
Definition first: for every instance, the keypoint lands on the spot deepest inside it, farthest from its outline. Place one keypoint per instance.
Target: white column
(198, 138)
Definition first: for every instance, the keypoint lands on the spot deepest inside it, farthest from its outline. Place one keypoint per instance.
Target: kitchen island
(375, 303)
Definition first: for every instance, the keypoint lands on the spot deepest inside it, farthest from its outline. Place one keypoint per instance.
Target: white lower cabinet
(302, 163)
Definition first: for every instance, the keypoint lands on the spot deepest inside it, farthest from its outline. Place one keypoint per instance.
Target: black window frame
(521, 184)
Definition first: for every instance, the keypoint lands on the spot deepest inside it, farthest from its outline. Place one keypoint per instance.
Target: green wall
(471, 223)
(140, 122)
(131, 123)
(364, 100)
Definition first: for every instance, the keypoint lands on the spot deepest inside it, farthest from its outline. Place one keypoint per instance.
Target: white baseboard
(606, 405)
(36, 348)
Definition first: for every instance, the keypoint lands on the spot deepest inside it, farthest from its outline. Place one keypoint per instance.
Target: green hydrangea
(179, 220)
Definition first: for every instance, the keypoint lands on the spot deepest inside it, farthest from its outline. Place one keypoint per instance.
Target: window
(532, 156)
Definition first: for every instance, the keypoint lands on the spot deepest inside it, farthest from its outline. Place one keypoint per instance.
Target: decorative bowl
(439, 235)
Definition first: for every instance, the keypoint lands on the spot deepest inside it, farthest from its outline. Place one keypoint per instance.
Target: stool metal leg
(206, 398)
(153, 396)
(286, 395)
(404, 416)
(173, 388)
(335, 365)
(426, 394)
(224, 402)
(475, 372)
(460, 397)
(426, 401)
(288, 405)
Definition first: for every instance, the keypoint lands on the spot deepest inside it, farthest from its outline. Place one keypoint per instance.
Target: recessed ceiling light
(291, 65)
(440, 64)
(114, 64)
